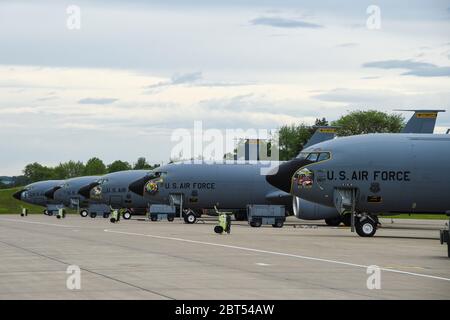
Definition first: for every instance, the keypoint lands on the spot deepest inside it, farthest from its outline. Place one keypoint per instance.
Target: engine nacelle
(308, 210)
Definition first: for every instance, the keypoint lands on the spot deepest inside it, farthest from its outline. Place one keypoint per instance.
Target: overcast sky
(117, 87)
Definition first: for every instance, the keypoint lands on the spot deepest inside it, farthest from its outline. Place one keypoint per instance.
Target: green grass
(8, 204)
(419, 216)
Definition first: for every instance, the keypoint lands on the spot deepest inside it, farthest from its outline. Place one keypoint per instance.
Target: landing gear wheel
(93, 214)
(365, 227)
(239, 216)
(347, 219)
(334, 222)
(127, 215)
(278, 224)
(190, 218)
(218, 229)
(84, 213)
(256, 223)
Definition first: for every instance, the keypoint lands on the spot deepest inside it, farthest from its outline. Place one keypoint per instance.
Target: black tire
(365, 227)
(170, 218)
(448, 249)
(154, 218)
(84, 213)
(218, 229)
(45, 212)
(93, 215)
(347, 219)
(240, 216)
(126, 215)
(333, 222)
(50, 213)
(190, 218)
(106, 215)
(278, 224)
(256, 223)
(112, 220)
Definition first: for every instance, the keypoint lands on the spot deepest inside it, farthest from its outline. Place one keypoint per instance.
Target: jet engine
(308, 210)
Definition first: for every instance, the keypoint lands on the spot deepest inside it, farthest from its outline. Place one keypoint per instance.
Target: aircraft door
(176, 199)
(74, 203)
(115, 201)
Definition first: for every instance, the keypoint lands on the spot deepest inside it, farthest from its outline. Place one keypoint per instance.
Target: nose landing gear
(366, 225)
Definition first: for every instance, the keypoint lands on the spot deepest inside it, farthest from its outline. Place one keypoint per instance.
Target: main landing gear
(345, 218)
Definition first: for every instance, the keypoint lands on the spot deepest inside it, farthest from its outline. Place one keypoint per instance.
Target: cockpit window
(323, 156)
(102, 181)
(302, 155)
(313, 157)
(154, 175)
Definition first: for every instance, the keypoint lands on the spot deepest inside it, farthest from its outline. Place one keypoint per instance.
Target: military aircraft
(422, 121)
(112, 190)
(235, 185)
(67, 194)
(232, 185)
(371, 175)
(34, 193)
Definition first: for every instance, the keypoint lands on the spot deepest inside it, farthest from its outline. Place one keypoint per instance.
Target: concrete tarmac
(136, 259)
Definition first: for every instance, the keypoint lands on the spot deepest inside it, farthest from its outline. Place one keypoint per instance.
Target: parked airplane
(34, 193)
(67, 194)
(422, 121)
(112, 190)
(226, 183)
(371, 175)
(231, 185)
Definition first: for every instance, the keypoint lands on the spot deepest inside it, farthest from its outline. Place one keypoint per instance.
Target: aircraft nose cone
(18, 194)
(138, 185)
(51, 192)
(280, 177)
(86, 190)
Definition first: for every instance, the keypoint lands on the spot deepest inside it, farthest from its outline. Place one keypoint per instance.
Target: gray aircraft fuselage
(230, 185)
(112, 189)
(391, 173)
(67, 192)
(34, 193)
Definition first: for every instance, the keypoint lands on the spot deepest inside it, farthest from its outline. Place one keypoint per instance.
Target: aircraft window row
(314, 156)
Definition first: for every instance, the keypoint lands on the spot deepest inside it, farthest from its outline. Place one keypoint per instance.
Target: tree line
(71, 169)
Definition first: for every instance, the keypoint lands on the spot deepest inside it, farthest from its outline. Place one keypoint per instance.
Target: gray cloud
(177, 78)
(279, 22)
(415, 68)
(186, 77)
(97, 100)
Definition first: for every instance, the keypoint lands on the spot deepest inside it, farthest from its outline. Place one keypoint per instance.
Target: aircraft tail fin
(422, 121)
(322, 133)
